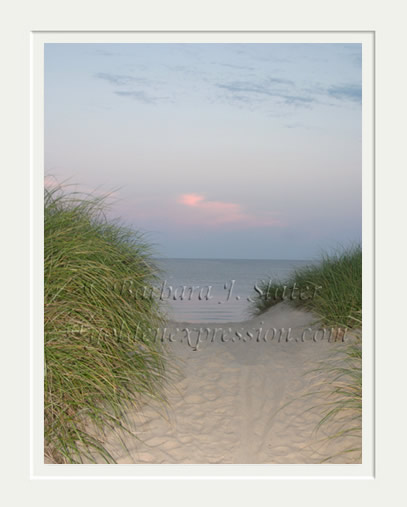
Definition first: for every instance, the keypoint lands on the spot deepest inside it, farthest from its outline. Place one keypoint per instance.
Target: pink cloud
(215, 213)
(190, 199)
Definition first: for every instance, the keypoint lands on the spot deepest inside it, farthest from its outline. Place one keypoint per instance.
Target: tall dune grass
(341, 410)
(100, 355)
(332, 289)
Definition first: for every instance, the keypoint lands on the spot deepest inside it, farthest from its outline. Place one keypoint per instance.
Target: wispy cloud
(217, 213)
(119, 79)
(346, 92)
(273, 91)
(232, 66)
(130, 82)
(104, 52)
(191, 199)
(281, 89)
(140, 96)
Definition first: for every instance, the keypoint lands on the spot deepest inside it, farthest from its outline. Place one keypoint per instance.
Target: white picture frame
(27, 479)
(366, 468)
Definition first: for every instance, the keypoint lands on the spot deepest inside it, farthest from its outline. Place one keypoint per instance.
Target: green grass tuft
(100, 354)
(332, 289)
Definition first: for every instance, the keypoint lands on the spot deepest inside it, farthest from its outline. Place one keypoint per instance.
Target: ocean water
(222, 287)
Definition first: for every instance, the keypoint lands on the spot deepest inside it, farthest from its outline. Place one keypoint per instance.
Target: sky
(245, 151)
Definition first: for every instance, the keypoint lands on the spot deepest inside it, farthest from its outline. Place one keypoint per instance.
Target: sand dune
(237, 401)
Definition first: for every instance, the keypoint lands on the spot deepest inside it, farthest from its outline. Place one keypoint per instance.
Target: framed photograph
(202, 241)
(220, 323)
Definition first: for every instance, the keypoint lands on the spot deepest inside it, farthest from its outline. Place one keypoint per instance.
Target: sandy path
(237, 402)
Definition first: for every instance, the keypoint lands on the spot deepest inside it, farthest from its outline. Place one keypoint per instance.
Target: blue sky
(214, 150)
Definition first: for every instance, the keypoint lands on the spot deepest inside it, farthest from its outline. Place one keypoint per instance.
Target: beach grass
(332, 289)
(341, 409)
(100, 355)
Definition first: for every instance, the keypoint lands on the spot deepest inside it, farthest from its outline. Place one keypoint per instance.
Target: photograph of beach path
(202, 253)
